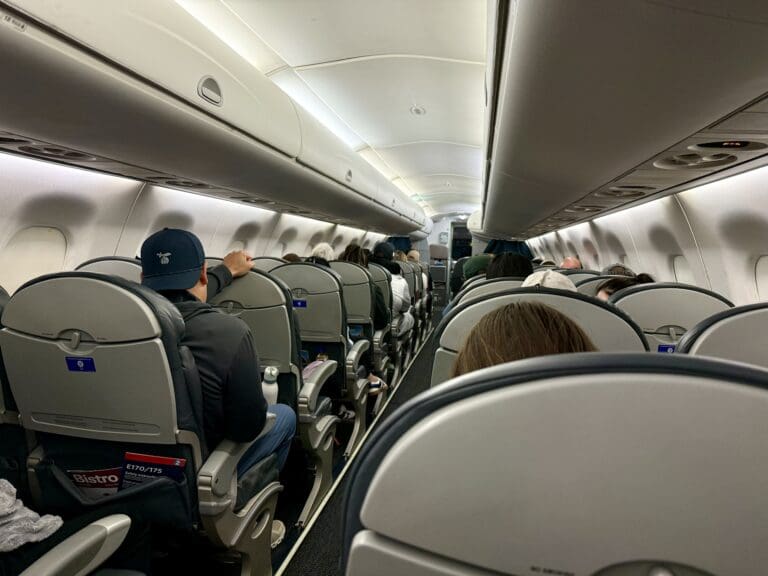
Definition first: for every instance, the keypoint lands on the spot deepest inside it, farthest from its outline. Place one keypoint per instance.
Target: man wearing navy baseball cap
(234, 408)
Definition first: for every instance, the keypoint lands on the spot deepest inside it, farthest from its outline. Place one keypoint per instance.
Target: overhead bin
(144, 90)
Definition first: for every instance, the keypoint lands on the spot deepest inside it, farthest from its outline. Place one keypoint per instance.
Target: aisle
(320, 552)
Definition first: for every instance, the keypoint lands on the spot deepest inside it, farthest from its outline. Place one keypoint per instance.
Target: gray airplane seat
(100, 377)
(472, 281)
(581, 464)
(610, 329)
(591, 286)
(665, 310)
(128, 268)
(577, 275)
(261, 300)
(318, 302)
(485, 287)
(267, 263)
(13, 444)
(359, 299)
(418, 310)
(738, 334)
(386, 348)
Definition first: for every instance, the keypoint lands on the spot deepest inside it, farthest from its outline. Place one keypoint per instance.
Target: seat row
(661, 317)
(93, 369)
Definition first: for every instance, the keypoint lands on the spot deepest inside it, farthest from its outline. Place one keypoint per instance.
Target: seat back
(418, 279)
(609, 329)
(578, 275)
(406, 270)
(318, 303)
(265, 304)
(383, 279)
(665, 311)
(739, 334)
(439, 274)
(613, 456)
(486, 287)
(358, 295)
(97, 369)
(590, 286)
(472, 281)
(128, 268)
(267, 263)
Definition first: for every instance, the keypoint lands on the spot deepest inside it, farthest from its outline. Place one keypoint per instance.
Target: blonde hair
(414, 256)
(517, 331)
(399, 256)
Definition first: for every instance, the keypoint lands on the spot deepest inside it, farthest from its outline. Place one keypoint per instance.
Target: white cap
(549, 279)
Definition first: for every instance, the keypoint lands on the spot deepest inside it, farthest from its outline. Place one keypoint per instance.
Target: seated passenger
(322, 254)
(618, 269)
(383, 253)
(399, 256)
(609, 287)
(549, 279)
(381, 317)
(415, 257)
(571, 263)
(173, 264)
(509, 264)
(517, 331)
(291, 257)
(476, 265)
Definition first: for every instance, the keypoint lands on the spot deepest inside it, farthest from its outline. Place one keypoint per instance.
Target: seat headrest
(267, 263)
(256, 289)
(488, 286)
(128, 268)
(50, 306)
(309, 277)
(606, 459)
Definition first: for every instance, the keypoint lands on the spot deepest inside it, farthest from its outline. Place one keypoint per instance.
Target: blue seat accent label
(80, 364)
(668, 348)
(299, 303)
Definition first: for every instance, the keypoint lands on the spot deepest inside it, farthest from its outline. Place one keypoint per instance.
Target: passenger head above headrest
(610, 287)
(414, 256)
(171, 259)
(383, 251)
(509, 264)
(355, 254)
(399, 256)
(618, 269)
(571, 263)
(291, 257)
(549, 279)
(517, 331)
(476, 265)
(324, 251)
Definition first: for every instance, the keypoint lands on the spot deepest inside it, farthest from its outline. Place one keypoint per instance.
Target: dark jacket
(233, 403)
(381, 317)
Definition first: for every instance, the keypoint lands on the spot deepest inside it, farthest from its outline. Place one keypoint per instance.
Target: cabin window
(31, 252)
(682, 269)
(761, 277)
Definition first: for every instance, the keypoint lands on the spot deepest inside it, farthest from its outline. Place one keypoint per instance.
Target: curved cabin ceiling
(401, 82)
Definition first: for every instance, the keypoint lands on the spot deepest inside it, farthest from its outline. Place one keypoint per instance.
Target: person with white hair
(549, 279)
(322, 253)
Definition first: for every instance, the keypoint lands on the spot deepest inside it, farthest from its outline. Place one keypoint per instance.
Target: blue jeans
(277, 441)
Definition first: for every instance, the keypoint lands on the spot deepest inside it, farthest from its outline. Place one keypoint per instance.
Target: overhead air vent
(57, 152)
(175, 182)
(5, 140)
(695, 161)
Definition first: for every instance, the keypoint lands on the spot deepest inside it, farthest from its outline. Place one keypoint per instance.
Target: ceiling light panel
(310, 31)
(375, 97)
(422, 158)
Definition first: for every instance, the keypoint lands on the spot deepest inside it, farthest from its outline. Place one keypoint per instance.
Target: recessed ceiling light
(418, 110)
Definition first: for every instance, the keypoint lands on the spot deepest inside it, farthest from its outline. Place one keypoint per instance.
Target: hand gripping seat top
(666, 310)
(97, 369)
(128, 268)
(264, 303)
(485, 287)
(609, 328)
(739, 334)
(580, 464)
(318, 302)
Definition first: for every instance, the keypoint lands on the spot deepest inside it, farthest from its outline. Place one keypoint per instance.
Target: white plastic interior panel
(598, 469)
(582, 129)
(152, 114)
(31, 252)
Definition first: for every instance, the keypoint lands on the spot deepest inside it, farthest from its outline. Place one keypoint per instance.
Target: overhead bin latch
(210, 91)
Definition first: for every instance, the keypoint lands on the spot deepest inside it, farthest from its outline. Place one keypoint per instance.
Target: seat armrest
(218, 474)
(313, 383)
(85, 550)
(354, 356)
(380, 335)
